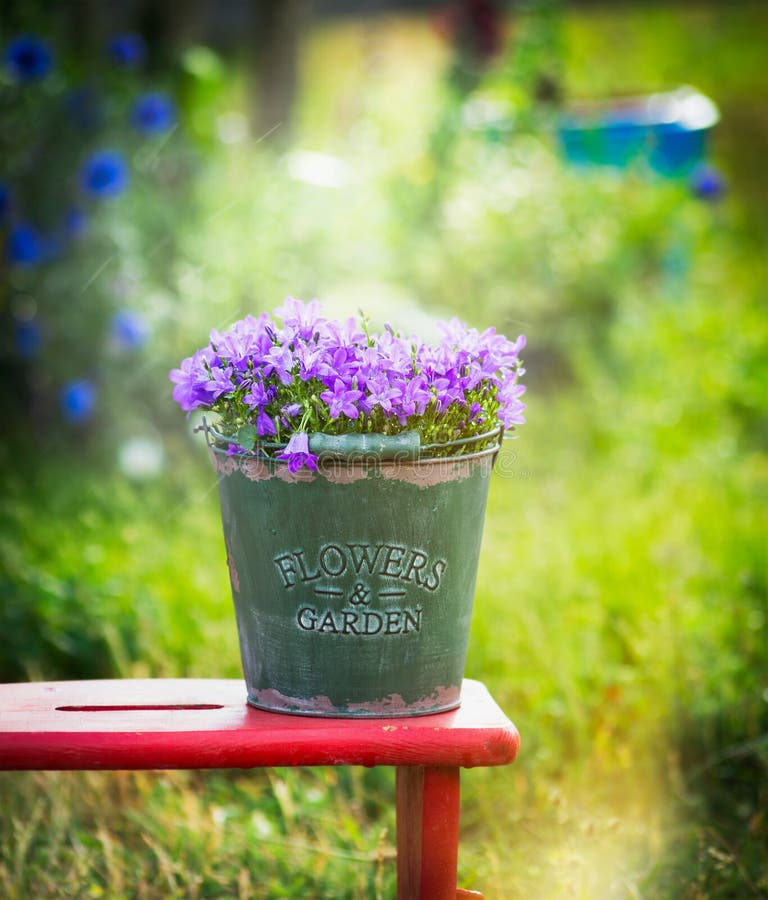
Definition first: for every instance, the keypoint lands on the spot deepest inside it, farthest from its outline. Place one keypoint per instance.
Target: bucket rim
(388, 449)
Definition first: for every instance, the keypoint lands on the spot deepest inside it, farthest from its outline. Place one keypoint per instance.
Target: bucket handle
(387, 447)
(405, 446)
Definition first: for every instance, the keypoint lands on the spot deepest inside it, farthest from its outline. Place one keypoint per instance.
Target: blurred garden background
(168, 168)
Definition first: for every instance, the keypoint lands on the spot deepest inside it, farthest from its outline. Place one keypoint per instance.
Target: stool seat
(207, 723)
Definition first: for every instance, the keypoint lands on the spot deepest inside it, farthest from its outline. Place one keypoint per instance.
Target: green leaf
(246, 436)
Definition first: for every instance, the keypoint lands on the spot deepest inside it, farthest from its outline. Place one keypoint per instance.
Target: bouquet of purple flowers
(274, 387)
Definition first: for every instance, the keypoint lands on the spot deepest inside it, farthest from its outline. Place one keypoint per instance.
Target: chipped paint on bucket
(353, 585)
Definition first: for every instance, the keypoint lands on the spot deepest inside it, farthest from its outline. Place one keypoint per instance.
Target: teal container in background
(353, 586)
(669, 132)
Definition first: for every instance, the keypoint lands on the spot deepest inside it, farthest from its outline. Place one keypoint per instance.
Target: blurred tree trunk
(272, 57)
(170, 27)
(86, 25)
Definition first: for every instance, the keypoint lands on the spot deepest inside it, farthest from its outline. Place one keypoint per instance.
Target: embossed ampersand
(360, 595)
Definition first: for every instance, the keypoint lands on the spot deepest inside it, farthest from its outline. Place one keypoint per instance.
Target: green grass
(622, 606)
(287, 833)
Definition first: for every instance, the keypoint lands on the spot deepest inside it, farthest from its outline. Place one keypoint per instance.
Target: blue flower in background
(85, 107)
(52, 245)
(154, 113)
(75, 223)
(707, 183)
(129, 330)
(27, 338)
(28, 58)
(128, 50)
(104, 174)
(78, 400)
(25, 245)
(5, 201)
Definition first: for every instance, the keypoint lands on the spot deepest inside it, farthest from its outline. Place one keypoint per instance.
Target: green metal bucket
(353, 585)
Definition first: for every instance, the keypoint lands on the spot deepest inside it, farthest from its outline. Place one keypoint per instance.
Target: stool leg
(427, 832)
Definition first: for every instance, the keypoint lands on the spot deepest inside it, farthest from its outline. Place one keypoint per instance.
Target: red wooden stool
(206, 724)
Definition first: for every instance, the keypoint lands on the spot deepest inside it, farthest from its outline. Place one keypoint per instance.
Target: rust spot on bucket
(442, 699)
(233, 576)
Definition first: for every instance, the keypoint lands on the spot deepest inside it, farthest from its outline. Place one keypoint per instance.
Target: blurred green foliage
(96, 171)
(622, 603)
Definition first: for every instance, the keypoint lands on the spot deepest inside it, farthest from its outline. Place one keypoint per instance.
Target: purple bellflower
(341, 400)
(297, 453)
(264, 424)
(314, 374)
